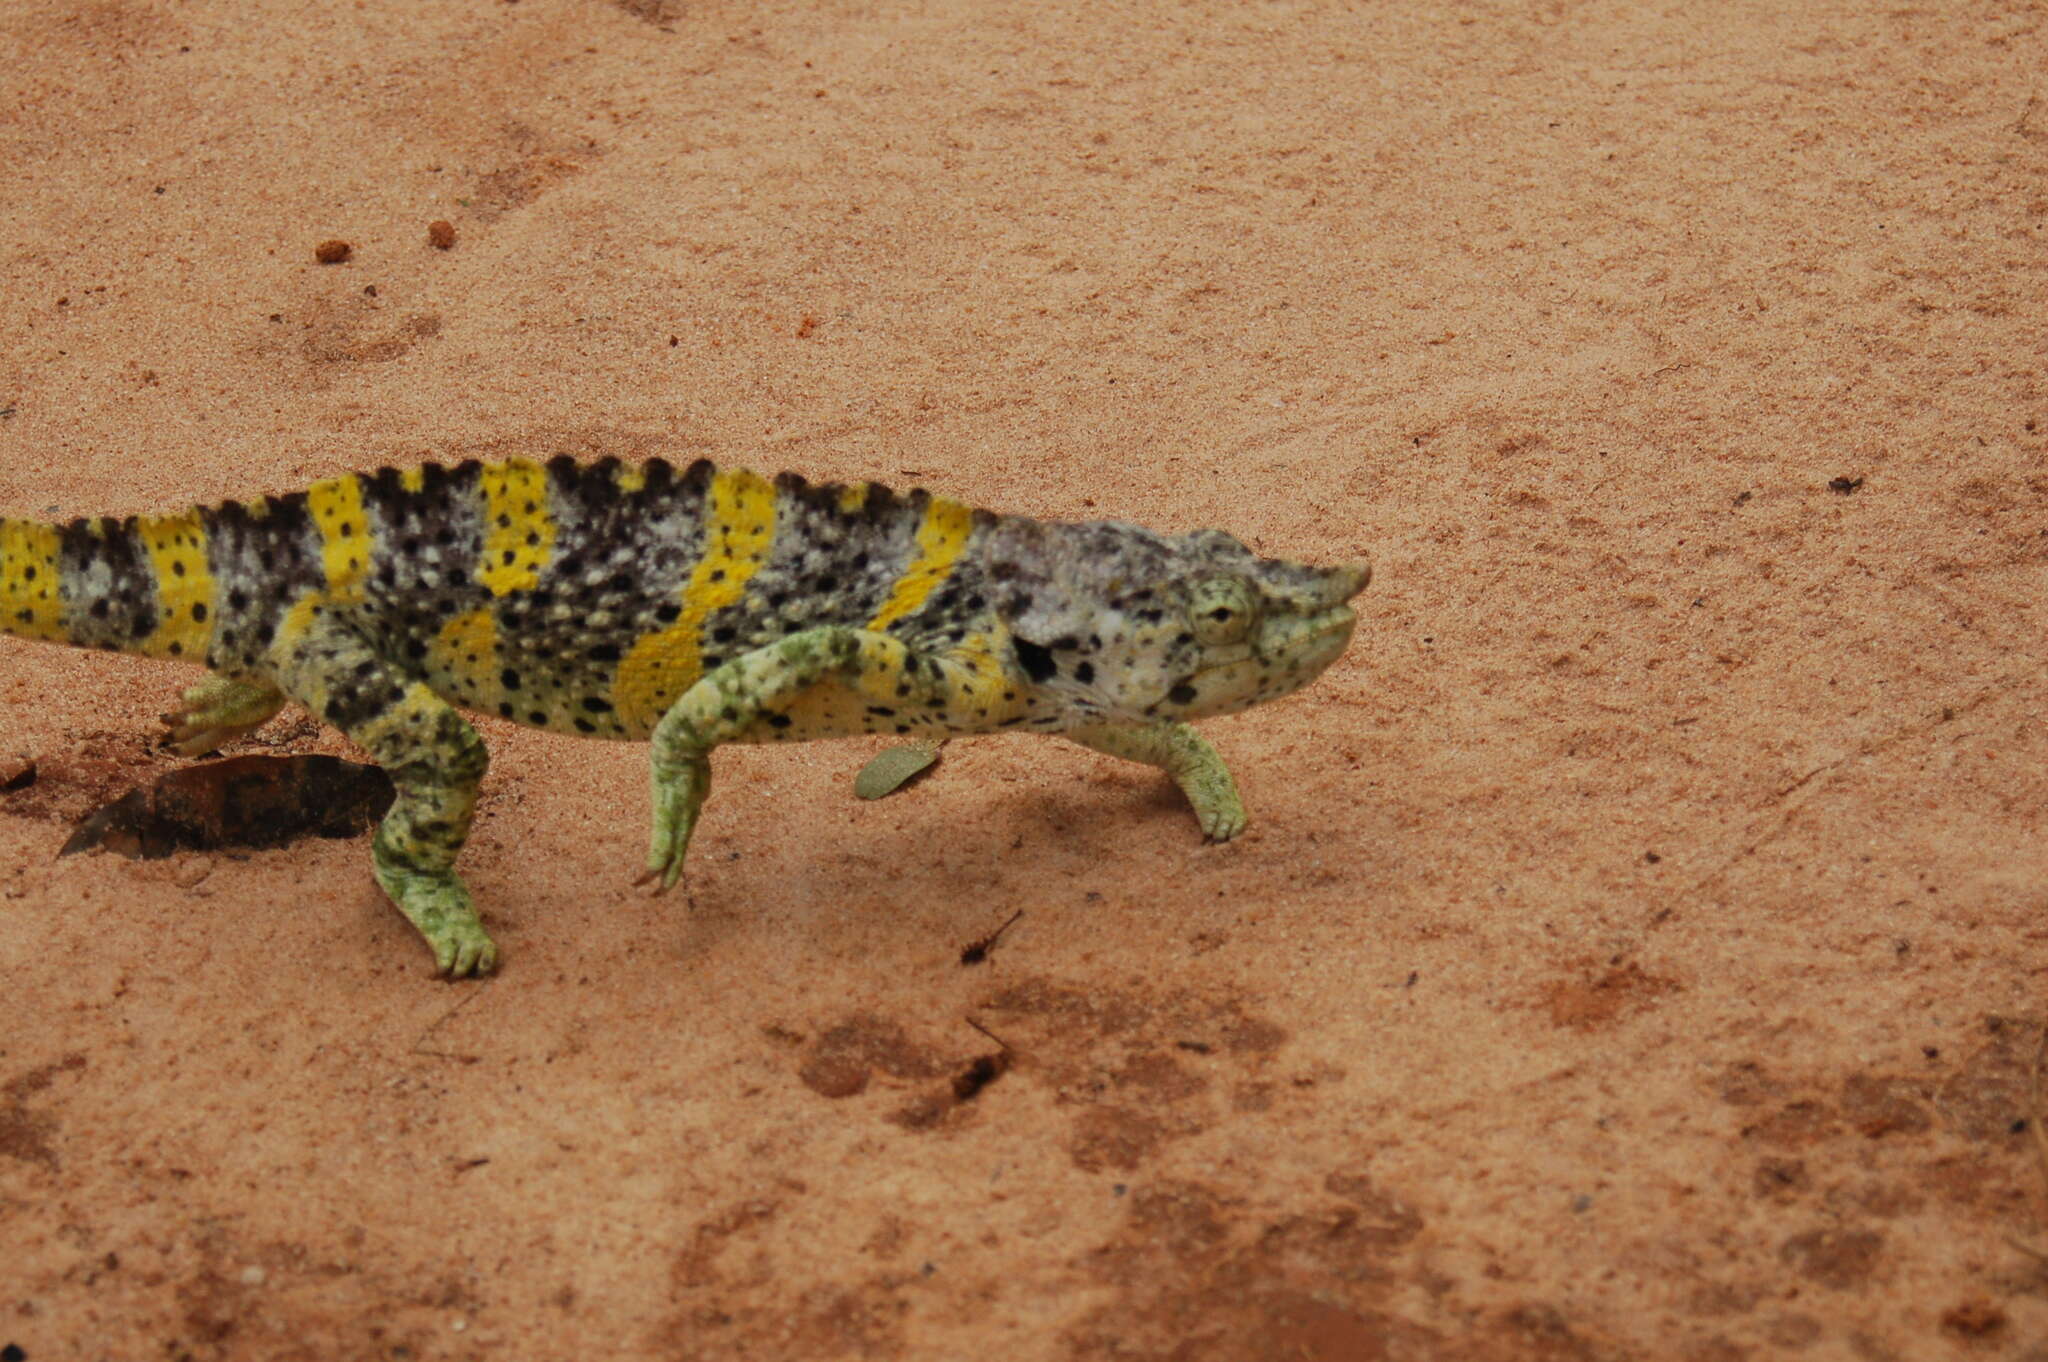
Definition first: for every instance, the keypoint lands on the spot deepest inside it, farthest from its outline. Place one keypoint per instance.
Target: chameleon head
(1113, 622)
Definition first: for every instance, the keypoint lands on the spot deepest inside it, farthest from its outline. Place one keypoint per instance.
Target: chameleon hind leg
(435, 761)
(1186, 756)
(764, 690)
(220, 709)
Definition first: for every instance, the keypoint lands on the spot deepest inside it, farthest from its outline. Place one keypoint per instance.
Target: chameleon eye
(1221, 611)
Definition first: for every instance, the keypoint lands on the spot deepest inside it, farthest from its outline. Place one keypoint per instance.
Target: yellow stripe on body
(519, 534)
(981, 688)
(184, 585)
(467, 637)
(970, 679)
(940, 538)
(739, 530)
(296, 622)
(337, 509)
(31, 604)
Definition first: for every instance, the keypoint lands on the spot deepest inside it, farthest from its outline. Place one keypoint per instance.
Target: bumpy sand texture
(1638, 949)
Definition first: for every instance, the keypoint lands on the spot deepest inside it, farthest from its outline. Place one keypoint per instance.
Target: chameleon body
(689, 607)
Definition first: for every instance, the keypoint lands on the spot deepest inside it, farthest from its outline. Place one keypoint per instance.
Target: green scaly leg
(434, 758)
(1186, 756)
(752, 688)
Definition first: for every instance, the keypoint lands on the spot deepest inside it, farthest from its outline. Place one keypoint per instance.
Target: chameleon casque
(692, 607)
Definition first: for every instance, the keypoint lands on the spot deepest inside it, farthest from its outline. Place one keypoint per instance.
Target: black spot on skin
(99, 609)
(1085, 673)
(177, 649)
(536, 717)
(1065, 643)
(199, 610)
(1036, 661)
(718, 574)
(505, 709)
(509, 679)
(882, 710)
(585, 726)
(604, 652)
(778, 721)
(827, 585)
(1182, 694)
(724, 633)
(177, 567)
(597, 704)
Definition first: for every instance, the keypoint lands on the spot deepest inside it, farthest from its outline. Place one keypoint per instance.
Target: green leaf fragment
(896, 767)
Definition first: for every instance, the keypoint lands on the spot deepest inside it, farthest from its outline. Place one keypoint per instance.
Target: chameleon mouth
(1321, 639)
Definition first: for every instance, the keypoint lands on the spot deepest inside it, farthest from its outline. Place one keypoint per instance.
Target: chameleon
(685, 607)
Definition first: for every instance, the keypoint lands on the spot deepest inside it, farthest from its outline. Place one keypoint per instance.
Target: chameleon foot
(438, 906)
(217, 711)
(679, 790)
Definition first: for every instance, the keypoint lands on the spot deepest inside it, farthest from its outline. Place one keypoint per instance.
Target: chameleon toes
(217, 711)
(1221, 823)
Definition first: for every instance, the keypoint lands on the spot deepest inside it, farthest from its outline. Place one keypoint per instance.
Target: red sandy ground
(1639, 948)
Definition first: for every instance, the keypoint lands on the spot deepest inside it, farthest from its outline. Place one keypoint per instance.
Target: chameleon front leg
(756, 688)
(1186, 756)
(435, 760)
(220, 709)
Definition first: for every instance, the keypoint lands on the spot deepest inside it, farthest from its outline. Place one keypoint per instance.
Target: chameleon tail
(140, 585)
(31, 599)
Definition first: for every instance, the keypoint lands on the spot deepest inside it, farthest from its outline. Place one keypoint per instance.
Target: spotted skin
(691, 607)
